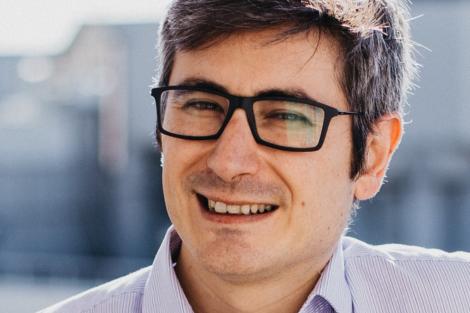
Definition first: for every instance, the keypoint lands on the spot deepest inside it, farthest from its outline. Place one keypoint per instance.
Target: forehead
(249, 62)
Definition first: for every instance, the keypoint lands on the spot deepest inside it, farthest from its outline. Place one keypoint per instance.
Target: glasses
(285, 123)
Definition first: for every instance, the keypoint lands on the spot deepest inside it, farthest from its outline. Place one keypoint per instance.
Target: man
(275, 118)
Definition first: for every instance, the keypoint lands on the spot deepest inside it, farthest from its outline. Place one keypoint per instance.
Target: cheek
(171, 190)
(321, 189)
(181, 159)
(172, 176)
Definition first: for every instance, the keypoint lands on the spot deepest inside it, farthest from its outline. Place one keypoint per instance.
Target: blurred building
(80, 189)
(79, 174)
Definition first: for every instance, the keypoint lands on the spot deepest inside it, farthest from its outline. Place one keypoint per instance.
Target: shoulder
(120, 295)
(355, 250)
(399, 274)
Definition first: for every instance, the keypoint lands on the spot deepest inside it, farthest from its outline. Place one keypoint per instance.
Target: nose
(235, 153)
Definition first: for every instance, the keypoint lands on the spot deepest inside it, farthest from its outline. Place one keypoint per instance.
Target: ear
(381, 144)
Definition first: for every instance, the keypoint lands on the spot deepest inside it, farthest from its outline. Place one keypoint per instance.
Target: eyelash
(203, 105)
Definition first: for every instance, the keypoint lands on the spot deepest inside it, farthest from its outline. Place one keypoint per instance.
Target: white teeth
(211, 204)
(220, 207)
(246, 209)
(233, 209)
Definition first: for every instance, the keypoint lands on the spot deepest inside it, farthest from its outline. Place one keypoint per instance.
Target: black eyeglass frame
(246, 103)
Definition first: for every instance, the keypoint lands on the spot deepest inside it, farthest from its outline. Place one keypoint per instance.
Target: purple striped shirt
(359, 278)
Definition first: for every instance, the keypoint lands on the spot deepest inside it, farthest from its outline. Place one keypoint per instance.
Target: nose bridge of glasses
(245, 104)
(238, 102)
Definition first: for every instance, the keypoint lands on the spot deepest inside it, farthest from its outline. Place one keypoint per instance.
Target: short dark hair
(378, 66)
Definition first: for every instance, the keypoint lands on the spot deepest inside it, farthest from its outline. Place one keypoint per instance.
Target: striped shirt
(359, 278)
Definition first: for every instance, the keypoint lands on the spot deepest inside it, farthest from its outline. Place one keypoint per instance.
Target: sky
(31, 27)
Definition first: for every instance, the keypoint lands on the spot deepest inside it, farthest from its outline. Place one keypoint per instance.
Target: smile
(220, 207)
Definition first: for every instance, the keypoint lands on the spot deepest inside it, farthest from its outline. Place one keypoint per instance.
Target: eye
(289, 117)
(202, 105)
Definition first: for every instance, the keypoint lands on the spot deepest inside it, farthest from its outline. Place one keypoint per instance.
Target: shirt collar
(163, 292)
(332, 286)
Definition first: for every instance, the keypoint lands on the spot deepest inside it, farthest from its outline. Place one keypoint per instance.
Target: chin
(237, 263)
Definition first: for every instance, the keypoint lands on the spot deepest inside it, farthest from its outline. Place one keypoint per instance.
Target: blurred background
(80, 189)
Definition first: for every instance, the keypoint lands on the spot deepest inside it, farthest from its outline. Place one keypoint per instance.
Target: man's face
(312, 191)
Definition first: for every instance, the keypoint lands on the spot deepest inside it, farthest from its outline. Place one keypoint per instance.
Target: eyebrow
(271, 92)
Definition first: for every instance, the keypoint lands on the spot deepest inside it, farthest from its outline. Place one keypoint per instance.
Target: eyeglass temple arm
(349, 113)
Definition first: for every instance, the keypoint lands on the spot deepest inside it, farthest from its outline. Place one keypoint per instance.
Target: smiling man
(275, 118)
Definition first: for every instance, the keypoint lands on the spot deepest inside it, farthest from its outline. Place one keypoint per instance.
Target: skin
(270, 265)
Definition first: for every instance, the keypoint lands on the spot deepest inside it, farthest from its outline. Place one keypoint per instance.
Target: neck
(284, 292)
